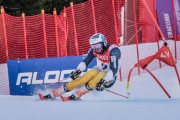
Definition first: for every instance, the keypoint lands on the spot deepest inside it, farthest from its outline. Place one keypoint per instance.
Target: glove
(101, 85)
(75, 74)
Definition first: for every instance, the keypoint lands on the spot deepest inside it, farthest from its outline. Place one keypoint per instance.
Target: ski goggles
(97, 47)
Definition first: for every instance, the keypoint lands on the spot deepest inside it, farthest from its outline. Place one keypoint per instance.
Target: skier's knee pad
(92, 83)
(82, 79)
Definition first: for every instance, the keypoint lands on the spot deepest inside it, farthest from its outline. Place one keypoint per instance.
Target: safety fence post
(65, 30)
(135, 27)
(44, 32)
(74, 26)
(56, 32)
(25, 35)
(5, 34)
(115, 23)
(94, 17)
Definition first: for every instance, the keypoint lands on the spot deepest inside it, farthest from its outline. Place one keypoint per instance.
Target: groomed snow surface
(147, 102)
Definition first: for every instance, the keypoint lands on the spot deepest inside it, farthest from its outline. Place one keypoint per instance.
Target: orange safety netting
(68, 34)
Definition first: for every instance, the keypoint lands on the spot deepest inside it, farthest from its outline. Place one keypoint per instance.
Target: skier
(100, 77)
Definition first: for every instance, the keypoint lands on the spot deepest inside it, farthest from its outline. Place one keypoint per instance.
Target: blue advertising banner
(26, 77)
(165, 18)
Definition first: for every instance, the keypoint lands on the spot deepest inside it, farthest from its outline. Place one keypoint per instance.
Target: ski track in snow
(147, 102)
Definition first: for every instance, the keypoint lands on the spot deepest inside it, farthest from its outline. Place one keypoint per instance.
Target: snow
(147, 102)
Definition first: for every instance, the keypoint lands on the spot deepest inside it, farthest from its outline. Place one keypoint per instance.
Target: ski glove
(101, 85)
(75, 74)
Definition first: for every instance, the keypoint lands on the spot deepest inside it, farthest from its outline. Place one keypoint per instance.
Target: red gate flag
(163, 54)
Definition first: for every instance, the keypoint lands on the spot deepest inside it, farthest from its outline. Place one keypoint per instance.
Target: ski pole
(117, 94)
(57, 82)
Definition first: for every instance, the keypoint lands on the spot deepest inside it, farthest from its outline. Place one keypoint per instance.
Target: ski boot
(46, 97)
(72, 97)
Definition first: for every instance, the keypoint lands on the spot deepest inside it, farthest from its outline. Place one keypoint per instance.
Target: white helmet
(98, 38)
(98, 42)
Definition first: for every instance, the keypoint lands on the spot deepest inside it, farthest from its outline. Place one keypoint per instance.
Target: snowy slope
(25, 108)
(147, 102)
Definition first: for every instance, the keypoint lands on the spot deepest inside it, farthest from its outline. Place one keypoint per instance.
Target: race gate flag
(26, 77)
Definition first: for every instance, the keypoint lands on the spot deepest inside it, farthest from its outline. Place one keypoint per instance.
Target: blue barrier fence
(26, 77)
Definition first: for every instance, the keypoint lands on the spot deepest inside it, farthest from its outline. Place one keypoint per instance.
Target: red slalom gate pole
(158, 83)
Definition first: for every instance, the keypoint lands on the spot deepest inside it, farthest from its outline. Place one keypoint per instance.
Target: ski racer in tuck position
(100, 77)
